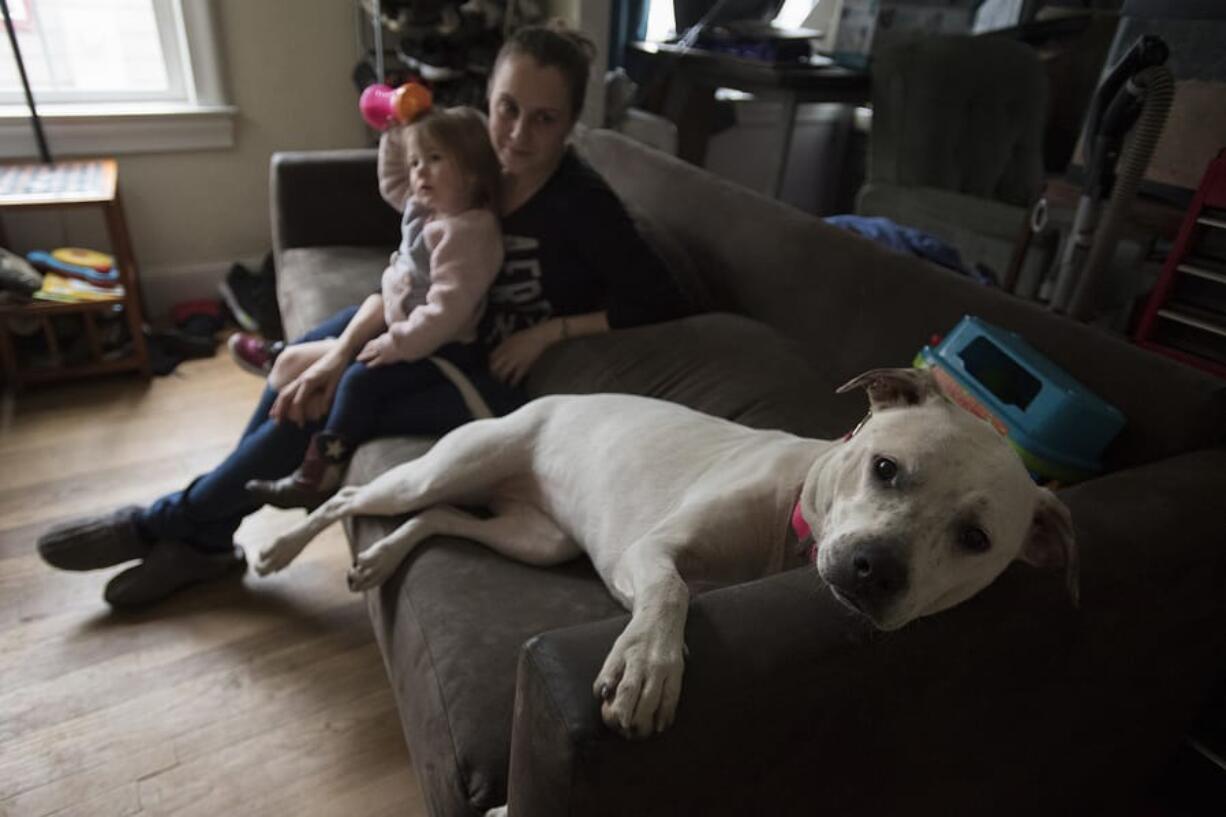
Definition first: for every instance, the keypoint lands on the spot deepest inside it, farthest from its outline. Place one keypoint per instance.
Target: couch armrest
(1012, 703)
(329, 197)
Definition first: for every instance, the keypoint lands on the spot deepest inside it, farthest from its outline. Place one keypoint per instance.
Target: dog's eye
(974, 540)
(885, 469)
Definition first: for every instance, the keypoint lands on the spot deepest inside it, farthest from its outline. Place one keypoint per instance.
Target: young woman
(574, 265)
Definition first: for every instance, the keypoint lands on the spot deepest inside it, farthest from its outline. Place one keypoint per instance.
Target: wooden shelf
(36, 309)
(86, 183)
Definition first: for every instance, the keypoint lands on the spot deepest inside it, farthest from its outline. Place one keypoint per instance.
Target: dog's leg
(517, 530)
(286, 547)
(457, 468)
(640, 682)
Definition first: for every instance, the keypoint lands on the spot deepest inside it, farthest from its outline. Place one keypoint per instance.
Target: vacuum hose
(1156, 88)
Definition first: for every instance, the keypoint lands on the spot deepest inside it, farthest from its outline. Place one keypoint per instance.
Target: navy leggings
(368, 398)
(208, 511)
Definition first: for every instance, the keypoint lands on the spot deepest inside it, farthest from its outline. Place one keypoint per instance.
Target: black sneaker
(435, 57)
(252, 299)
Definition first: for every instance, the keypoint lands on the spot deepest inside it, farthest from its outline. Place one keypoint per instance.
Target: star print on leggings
(334, 448)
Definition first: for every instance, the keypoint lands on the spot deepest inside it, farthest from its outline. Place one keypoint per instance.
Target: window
(97, 67)
(91, 51)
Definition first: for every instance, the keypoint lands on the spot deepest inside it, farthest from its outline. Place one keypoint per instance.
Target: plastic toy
(1057, 425)
(49, 263)
(93, 259)
(383, 106)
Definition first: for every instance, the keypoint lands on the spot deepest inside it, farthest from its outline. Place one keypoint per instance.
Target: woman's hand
(512, 358)
(378, 352)
(308, 397)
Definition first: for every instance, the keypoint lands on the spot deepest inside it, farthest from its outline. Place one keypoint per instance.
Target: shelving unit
(1185, 317)
(89, 183)
(449, 49)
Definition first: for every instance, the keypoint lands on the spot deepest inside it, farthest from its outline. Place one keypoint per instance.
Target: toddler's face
(436, 179)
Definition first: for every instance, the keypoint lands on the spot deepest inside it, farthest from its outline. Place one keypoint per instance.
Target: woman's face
(530, 115)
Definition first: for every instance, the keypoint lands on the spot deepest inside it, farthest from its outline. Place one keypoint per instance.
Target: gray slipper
(94, 541)
(170, 567)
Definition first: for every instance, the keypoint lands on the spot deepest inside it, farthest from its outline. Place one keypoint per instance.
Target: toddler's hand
(378, 352)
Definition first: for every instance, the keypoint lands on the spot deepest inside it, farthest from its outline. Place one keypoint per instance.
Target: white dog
(918, 509)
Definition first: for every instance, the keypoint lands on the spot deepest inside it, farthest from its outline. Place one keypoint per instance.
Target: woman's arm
(512, 359)
(576, 326)
(309, 395)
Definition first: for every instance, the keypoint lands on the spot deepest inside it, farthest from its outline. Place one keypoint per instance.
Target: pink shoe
(253, 353)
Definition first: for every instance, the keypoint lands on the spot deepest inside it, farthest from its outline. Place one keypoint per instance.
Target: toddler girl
(432, 295)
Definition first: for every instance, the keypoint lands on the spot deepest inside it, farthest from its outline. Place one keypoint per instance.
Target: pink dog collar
(804, 534)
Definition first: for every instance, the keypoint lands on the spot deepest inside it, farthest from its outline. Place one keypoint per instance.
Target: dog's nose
(875, 575)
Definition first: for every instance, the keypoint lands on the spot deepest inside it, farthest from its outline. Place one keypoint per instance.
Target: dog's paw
(501, 811)
(277, 556)
(371, 568)
(640, 684)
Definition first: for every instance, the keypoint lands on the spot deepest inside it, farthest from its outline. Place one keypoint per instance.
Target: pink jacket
(465, 256)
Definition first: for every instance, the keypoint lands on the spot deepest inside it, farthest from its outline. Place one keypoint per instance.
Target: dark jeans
(208, 511)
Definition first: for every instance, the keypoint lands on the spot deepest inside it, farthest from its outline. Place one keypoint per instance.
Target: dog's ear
(891, 388)
(1050, 542)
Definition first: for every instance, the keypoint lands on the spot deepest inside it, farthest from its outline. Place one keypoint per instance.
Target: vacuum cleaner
(1135, 96)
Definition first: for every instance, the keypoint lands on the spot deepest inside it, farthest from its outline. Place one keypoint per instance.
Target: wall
(287, 66)
(592, 18)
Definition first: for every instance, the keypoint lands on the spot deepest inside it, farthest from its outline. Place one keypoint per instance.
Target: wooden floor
(258, 697)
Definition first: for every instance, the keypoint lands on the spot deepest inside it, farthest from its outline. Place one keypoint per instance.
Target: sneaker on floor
(169, 567)
(95, 541)
(252, 353)
(252, 298)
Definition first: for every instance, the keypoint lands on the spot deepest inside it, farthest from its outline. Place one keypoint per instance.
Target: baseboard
(166, 285)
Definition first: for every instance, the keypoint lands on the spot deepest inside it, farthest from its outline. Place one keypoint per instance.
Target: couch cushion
(725, 365)
(689, 281)
(314, 283)
(450, 623)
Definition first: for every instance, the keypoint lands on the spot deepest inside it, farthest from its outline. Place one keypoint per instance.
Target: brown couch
(1011, 704)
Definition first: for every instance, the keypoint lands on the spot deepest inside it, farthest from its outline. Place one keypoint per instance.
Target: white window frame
(197, 118)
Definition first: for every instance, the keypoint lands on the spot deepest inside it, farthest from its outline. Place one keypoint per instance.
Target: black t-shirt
(572, 249)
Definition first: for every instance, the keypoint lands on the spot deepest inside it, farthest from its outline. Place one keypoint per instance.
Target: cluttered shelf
(70, 312)
(38, 309)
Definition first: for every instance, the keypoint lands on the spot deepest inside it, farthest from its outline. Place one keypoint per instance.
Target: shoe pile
(450, 46)
(194, 335)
